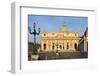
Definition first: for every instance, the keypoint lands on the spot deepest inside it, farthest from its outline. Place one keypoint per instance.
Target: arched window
(75, 46)
(53, 46)
(60, 47)
(67, 45)
(44, 46)
(63, 45)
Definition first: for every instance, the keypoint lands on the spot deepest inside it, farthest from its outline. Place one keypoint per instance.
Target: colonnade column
(47, 45)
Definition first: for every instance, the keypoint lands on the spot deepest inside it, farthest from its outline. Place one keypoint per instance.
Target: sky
(53, 24)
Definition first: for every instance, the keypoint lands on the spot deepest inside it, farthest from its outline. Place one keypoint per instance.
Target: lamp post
(34, 32)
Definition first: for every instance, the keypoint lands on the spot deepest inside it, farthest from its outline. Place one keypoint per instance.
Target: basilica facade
(63, 40)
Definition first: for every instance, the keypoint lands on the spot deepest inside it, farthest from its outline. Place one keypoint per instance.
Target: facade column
(46, 45)
(51, 45)
(73, 41)
(69, 45)
(55, 45)
(65, 44)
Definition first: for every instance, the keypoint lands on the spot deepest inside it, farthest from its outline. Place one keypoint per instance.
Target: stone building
(83, 43)
(63, 40)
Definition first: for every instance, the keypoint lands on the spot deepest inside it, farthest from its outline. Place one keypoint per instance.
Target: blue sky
(53, 24)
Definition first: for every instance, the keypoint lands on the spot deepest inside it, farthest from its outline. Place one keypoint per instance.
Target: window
(75, 46)
(63, 45)
(44, 46)
(60, 47)
(67, 45)
(44, 34)
(53, 46)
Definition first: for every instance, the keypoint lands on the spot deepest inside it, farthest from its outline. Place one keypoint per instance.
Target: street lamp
(34, 32)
